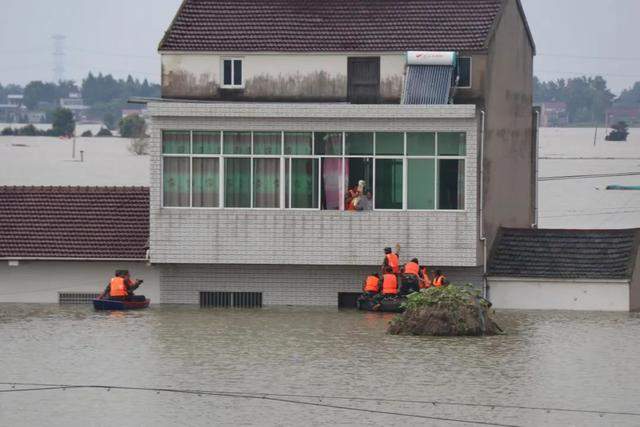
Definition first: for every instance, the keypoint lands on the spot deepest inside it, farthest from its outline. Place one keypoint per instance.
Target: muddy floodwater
(295, 366)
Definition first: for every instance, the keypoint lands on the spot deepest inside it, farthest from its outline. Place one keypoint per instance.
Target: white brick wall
(280, 284)
(232, 236)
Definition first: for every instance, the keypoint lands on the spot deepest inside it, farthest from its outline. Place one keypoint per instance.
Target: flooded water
(295, 366)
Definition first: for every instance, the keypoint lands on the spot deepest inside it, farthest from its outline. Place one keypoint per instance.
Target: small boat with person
(118, 294)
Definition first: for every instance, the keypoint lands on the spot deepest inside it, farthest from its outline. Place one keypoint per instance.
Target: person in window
(365, 203)
(439, 279)
(351, 199)
(391, 260)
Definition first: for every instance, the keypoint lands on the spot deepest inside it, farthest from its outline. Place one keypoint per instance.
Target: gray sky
(574, 37)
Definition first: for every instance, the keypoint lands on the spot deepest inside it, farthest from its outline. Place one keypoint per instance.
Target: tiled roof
(74, 222)
(564, 254)
(331, 25)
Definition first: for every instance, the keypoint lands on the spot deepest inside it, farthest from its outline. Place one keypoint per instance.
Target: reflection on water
(549, 359)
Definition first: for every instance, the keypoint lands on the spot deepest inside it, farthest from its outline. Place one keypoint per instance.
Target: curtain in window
(176, 142)
(237, 192)
(206, 183)
(297, 143)
(332, 185)
(304, 182)
(266, 183)
(421, 175)
(269, 143)
(237, 142)
(388, 189)
(175, 176)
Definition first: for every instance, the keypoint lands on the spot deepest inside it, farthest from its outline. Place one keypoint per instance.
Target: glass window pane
(206, 142)
(331, 185)
(266, 183)
(421, 144)
(464, 72)
(206, 183)
(237, 188)
(176, 142)
(267, 143)
(451, 184)
(227, 72)
(328, 143)
(389, 143)
(237, 142)
(388, 190)
(175, 181)
(303, 183)
(421, 175)
(358, 180)
(297, 143)
(237, 72)
(359, 143)
(452, 144)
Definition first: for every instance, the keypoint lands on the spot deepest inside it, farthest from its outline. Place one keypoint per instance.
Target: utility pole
(58, 57)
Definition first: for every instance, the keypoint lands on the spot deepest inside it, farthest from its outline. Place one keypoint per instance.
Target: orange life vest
(372, 284)
(425, 281)
(390, 284)
(412, 268)
(117, 287)
(439, 281)
(393, 262)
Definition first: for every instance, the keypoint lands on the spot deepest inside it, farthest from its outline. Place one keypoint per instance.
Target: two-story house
(294, 140)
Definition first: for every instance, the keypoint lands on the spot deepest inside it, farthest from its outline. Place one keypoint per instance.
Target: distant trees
(37, 92)
(133, 126)
(630, 97)
(104, 132)
(587, 98)
(109, 120)
(108, 96)
(63, 122)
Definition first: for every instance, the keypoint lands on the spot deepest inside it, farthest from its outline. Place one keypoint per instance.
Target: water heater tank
(431, 58)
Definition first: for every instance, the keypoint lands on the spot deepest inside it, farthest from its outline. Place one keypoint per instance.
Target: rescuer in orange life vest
(389, 287)
(439, 279)
(121, 286)
(371, 285)
(411, 278)
(391, 260)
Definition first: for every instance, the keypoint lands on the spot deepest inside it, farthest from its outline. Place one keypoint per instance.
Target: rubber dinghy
(387, 305)
(136, 302)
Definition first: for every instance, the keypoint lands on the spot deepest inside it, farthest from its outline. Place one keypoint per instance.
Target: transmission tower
(58, 57)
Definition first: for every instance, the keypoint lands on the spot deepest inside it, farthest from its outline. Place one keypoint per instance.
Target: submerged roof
(565, 254)
(332, 25)
(74, 222)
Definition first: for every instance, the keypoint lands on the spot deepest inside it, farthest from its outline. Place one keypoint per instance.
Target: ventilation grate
(76, 298)
(348, 299)
(231, 299)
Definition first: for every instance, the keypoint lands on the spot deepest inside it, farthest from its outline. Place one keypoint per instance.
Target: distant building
(553, 114)
(13, 111)
(144, 113)
(616, 114)
(75, 103)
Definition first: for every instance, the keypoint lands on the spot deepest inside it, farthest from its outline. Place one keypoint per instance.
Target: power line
(276, 396)
(273, 398)
(607, 58)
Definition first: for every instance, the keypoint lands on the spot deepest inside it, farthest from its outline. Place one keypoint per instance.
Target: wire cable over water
(286, 398)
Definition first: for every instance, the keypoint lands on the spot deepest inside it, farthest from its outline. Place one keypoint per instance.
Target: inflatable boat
(135, 302)
(387, 305)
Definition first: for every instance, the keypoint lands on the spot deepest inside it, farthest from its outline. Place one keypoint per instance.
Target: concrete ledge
(172, 108)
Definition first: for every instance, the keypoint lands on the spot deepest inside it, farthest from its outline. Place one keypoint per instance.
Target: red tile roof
(74, 222)
(331, 25)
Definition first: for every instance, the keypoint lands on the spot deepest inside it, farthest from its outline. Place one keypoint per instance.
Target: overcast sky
(120, 37)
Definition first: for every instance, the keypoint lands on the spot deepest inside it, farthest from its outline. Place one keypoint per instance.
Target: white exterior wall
(547, 294)
(41, 281)
(295, 237)
(301, 75)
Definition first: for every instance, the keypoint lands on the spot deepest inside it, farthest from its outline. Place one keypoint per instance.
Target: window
(464, 72)
(363, 80)
(329, 170)
(232, 73)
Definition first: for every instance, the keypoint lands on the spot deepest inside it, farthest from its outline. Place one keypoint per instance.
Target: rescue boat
(136, 302)
(387, 304)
